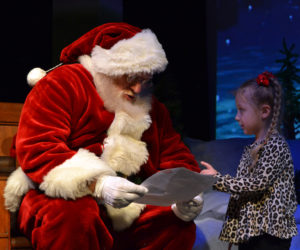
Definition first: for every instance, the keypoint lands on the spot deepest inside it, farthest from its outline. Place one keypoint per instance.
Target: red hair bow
(263, 79)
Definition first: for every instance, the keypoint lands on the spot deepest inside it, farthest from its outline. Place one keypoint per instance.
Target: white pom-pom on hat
(35, 75)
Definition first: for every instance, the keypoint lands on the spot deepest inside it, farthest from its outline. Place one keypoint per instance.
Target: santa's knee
(78, 216)
(71, 224)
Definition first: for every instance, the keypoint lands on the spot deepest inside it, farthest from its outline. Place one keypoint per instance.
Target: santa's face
(133, 86)
(131, 94)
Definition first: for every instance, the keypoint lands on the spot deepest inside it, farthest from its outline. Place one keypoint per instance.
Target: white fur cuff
(17, 185)
(70, 179)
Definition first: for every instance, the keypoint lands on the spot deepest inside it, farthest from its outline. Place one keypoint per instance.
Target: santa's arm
(173, 152)
(43, 142)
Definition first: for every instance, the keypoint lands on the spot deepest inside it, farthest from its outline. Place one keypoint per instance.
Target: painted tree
(288, 76)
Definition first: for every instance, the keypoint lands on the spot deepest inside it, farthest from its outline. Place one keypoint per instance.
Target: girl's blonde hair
(258, 92)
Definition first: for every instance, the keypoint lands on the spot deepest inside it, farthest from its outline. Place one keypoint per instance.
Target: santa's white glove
(117, 191)
(188, 210)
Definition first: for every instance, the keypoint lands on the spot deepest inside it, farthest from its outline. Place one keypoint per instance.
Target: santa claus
(89, 133)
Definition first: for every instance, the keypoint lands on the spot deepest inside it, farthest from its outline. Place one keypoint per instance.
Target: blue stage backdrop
(250, 45)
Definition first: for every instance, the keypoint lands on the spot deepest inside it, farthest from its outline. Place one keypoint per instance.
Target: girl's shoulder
(276, 142)
(277, 138)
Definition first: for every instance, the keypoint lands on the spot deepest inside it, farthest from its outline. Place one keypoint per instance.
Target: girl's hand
(209, 169)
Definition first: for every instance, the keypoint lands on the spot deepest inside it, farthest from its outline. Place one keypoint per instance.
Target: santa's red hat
(115, 49)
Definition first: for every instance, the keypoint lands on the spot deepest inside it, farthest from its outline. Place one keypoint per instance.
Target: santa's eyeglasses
(141, 78)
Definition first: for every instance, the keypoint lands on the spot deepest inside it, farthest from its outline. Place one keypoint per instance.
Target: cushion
(210, 221)
(295, 149)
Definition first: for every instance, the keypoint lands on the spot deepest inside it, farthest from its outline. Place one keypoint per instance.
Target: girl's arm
(209, 169)
(274, 158)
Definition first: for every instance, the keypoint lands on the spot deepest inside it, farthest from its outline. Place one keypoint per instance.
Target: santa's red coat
(62, 114)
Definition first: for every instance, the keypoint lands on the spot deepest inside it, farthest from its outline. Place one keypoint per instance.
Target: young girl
(261, 209)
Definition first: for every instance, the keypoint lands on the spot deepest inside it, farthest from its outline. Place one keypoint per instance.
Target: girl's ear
(265, 111)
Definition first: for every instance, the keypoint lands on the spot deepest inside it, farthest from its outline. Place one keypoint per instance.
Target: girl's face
(248, 116)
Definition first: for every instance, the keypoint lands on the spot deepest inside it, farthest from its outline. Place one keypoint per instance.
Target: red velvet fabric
(63, 113)
(105, 36)
(82, 224)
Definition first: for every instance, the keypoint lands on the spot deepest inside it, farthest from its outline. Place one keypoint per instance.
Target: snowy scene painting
(250, 46)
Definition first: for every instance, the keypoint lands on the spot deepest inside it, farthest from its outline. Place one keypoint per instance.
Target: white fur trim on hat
(70, 179)
(140, 53)
(86, 62)
(16, 186)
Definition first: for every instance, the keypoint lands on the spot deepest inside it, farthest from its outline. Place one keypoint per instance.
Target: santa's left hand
(188, 210)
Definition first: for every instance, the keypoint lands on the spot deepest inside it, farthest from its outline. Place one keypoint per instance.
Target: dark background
(34, 32)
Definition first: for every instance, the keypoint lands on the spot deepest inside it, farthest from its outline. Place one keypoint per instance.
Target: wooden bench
(10, 238)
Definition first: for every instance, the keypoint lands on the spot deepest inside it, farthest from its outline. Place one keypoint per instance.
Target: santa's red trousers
(82, 224)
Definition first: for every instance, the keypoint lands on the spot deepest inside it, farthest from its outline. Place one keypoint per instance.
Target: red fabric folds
(58, 118)
(81, 224)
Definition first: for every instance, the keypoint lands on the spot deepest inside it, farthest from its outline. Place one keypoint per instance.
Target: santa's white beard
(114, 101)
(123, 150)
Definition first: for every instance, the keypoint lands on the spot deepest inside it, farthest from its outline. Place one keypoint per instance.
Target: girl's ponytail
(265, 89)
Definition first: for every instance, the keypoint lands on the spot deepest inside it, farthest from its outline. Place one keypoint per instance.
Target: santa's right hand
(117, 191)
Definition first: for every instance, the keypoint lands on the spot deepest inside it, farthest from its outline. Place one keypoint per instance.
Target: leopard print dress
(262, 200)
